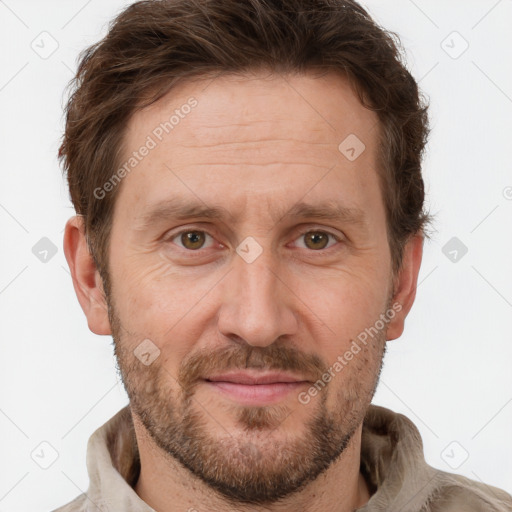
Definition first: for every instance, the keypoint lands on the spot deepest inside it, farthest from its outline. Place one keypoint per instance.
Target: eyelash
(171, 237)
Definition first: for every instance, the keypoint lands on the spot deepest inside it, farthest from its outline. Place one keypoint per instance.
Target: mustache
(207, 361)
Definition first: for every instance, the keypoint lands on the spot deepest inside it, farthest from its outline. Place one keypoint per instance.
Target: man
(247, 179)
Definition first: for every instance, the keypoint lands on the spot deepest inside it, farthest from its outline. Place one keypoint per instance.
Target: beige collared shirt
(392, 462)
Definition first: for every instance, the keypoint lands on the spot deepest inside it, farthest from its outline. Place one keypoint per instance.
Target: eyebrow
(177, 208)
(180, 209)
(328, 211)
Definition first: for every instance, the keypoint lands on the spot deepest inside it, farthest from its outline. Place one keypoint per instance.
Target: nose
(257, 302)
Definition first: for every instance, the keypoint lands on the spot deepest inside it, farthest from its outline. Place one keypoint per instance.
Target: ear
(86, 277)
(405, 284)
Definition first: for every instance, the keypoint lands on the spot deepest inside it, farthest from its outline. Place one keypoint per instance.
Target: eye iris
(315, 237)
(192, 239)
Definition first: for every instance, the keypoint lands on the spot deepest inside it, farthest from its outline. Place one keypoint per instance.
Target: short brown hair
(154, 44)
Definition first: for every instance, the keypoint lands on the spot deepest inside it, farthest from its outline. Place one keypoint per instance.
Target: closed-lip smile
(244, 377)
(255, 387)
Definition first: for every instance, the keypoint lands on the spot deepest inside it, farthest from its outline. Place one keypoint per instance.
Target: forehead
(314, 108)
(253, 135)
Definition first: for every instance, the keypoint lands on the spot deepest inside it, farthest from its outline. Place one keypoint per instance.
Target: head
(247, 179)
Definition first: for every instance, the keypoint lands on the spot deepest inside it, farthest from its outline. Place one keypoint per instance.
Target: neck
(165, 485)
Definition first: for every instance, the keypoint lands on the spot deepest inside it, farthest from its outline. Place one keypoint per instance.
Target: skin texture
(255, 145)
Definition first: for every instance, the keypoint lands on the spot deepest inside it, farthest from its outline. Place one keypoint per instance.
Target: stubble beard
(250, 466)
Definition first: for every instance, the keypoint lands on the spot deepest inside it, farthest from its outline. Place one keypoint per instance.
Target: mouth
(255, 388)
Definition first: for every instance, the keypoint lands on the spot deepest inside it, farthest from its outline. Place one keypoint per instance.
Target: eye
(195, 239)
(317, 240)
(191, 239)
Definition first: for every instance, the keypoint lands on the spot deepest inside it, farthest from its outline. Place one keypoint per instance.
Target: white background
(451, 370)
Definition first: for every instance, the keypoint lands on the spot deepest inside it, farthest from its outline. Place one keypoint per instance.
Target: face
(235, 293)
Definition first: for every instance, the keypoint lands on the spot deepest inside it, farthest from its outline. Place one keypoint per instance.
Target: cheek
(146, 303)
(169, 308)
(345, 302)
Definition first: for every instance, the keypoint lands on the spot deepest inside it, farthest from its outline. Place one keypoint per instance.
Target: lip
(255, 378)
(255, 388)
